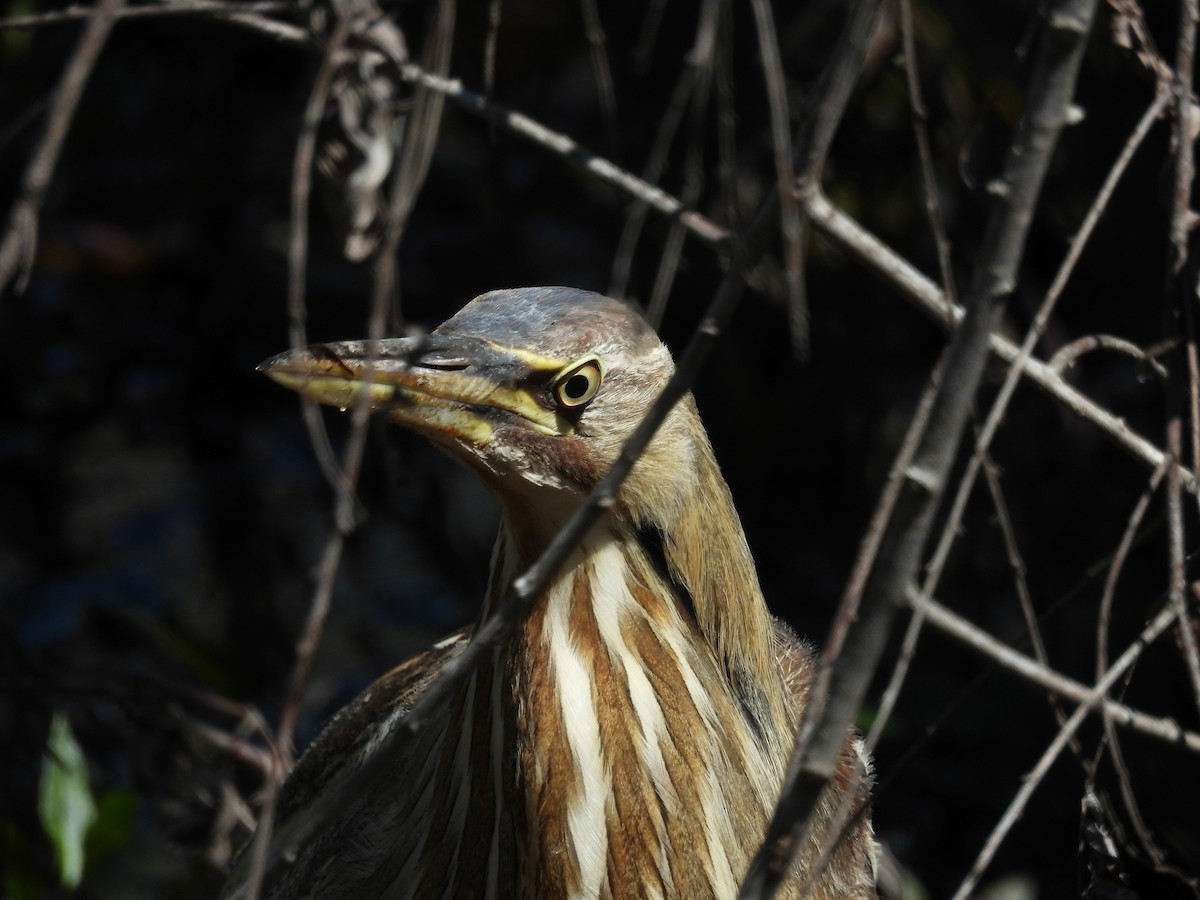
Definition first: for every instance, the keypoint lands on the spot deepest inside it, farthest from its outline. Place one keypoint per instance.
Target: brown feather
(630, 739)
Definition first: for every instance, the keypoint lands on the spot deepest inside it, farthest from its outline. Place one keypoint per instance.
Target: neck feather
(707, 553)
(641, 769)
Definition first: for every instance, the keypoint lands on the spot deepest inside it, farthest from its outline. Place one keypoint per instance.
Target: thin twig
(1095, 696)
(698, 68)
(970, 635)
(1068, 354)
(700, 77)
(238, 747)
(1024, 599)
(920, 123)
(816, 133)
(844, 677)
(1112, 743)
(1115, 567)
(420, 138)
(868, 549)
(593, 31)
(213, 8)
(520, 124)
(1021, 363)
(302, 167)
(1180, 293)
(1129, 30)
(791, 227)
(656, 162)
(930, 299)
(20, 239)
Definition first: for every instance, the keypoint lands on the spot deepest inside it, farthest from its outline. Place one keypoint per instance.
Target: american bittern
(631, 739)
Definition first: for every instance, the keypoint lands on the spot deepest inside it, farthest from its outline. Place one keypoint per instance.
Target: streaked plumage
(632, 737)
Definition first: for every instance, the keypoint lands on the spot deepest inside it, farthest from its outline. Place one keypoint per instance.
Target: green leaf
(65, 803)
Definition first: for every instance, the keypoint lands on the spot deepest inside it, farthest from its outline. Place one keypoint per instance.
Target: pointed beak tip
(274, 362)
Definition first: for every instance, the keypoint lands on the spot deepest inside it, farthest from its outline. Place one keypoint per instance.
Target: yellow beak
(439, 385)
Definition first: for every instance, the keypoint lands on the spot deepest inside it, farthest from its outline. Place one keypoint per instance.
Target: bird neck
(687, 525)
(707, 554)
(650, 733)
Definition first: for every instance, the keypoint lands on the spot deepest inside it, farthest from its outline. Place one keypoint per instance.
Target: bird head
(535, 388)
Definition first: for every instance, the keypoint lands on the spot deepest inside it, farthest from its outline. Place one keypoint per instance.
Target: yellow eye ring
(576, 385)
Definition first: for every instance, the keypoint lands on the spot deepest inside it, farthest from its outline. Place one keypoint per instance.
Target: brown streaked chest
(636, 771)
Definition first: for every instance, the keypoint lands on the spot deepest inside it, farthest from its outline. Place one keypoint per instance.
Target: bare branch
(1096, 696)
(930, 299)
(593, 30)
(1069, 354)
(1129, 30)
(20, 240)
(1181, 295)
(559, 143)
(963, 631)
(929, 189)
(843, 676)
(213, 8)
(791, 227)
(298, 243)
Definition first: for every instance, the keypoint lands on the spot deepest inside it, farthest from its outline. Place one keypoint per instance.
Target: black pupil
(577, 386)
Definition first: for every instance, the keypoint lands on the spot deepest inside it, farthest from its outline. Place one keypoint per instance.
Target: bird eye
(577, 384)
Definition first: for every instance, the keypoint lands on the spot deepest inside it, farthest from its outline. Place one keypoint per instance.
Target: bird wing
(357, 730)
(854, 860)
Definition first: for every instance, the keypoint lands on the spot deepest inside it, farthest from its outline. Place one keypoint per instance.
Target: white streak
(614, 604)
(585, 817)
(718, 828)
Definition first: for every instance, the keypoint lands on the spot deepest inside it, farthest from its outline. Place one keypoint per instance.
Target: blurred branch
(1069, 354)
(694, 85)
(691, 92)
(302, 168)
(19, 244)
(406, 180)
(593, 32)
(1180, 297)
(1129, 30)
(920, 123)
(213, 8)
(790, 225)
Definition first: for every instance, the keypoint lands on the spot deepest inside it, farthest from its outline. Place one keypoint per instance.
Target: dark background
(162, 511)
